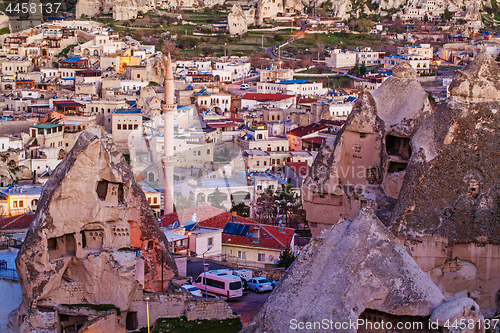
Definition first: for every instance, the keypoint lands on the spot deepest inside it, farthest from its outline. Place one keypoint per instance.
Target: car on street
(192, 289)
(260, 284)
(244, 86)
(275, 282)
(244, 283)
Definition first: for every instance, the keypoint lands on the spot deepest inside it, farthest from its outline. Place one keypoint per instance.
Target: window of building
(259, 187)
(362, 135)
(155, 200)
(210, 241)
(265, 163)
(119, 126)
(130, 126)
(136, 126)
(208, 151)
(199, 153)
(242, 255)
(194, 152)
(14, 204)
(258, 163)
(261, 257)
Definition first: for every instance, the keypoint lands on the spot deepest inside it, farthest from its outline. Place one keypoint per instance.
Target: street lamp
(205, 272)
(147, 311)
(225, 249)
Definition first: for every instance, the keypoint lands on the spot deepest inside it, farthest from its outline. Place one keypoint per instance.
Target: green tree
(447, 15)
(183, 203)
(217, 198)
(362, 69)
(286, 258)
(498, 57)
(426, 18)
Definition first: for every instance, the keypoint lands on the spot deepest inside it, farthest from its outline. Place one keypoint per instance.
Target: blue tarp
(351, 99)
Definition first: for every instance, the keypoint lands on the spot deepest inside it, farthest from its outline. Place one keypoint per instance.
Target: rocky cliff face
(93, 240)
(355, 270)
(456, 166)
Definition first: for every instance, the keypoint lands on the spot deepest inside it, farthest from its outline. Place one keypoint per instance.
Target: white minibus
(222, 284)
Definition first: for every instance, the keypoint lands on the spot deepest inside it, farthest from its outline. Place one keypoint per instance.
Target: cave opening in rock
(398, 146)
(396, 167)
(374, 321)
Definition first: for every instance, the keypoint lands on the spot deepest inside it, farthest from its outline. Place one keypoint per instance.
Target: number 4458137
(489, 324)
(33, 8)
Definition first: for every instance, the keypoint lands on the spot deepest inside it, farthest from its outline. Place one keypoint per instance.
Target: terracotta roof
(300, 168)
(184, 215)
(17, 222)
(304, 130)
(270, 236)
(266, 97)
(315, 140)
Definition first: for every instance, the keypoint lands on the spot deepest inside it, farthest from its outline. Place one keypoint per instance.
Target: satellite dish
(270, 257)
(275, 261)
(176, 224)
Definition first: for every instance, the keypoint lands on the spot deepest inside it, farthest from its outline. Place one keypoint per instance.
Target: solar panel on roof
(233, 227)
(239, 229)
(245, 230)
(227, 227)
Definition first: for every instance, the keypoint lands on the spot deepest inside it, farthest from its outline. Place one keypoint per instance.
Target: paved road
(248, 305)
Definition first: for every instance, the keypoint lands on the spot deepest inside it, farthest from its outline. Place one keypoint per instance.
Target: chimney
(193, 217)
(256, 235)
(233, 219)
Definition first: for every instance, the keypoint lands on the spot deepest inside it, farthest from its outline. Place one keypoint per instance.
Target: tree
(286, 258)
(426, 18)
(241, 209)
(183, 203)
(217, 198)
(362, 69)
(265, 207)
(498, 57)
(447, 15)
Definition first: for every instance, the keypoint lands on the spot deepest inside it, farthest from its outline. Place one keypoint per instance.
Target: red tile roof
(315, 140)
(266, 97)
(184, 215)
(17, 222)
(270, 236)
(300, 168)
(305, 130)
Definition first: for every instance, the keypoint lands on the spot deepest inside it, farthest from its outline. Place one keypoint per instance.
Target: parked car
(260, 284)
(192, 289)
(244, 283)
(275, 282)
(244, 86)
(439, 73)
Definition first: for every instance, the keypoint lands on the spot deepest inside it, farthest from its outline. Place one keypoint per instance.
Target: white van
(244, 273)
(222, 284)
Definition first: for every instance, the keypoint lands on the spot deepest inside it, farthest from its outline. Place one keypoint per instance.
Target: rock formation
(267, 9)
(355, 270)
(449, 206)
(366, 165)
(93, 240)
(236, 21)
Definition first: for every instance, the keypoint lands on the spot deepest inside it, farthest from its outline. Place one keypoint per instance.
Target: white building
(416, 61)
(292, 87)
(339, 59)
(425, 51)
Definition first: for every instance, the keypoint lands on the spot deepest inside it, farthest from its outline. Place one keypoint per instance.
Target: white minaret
(168, 137)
